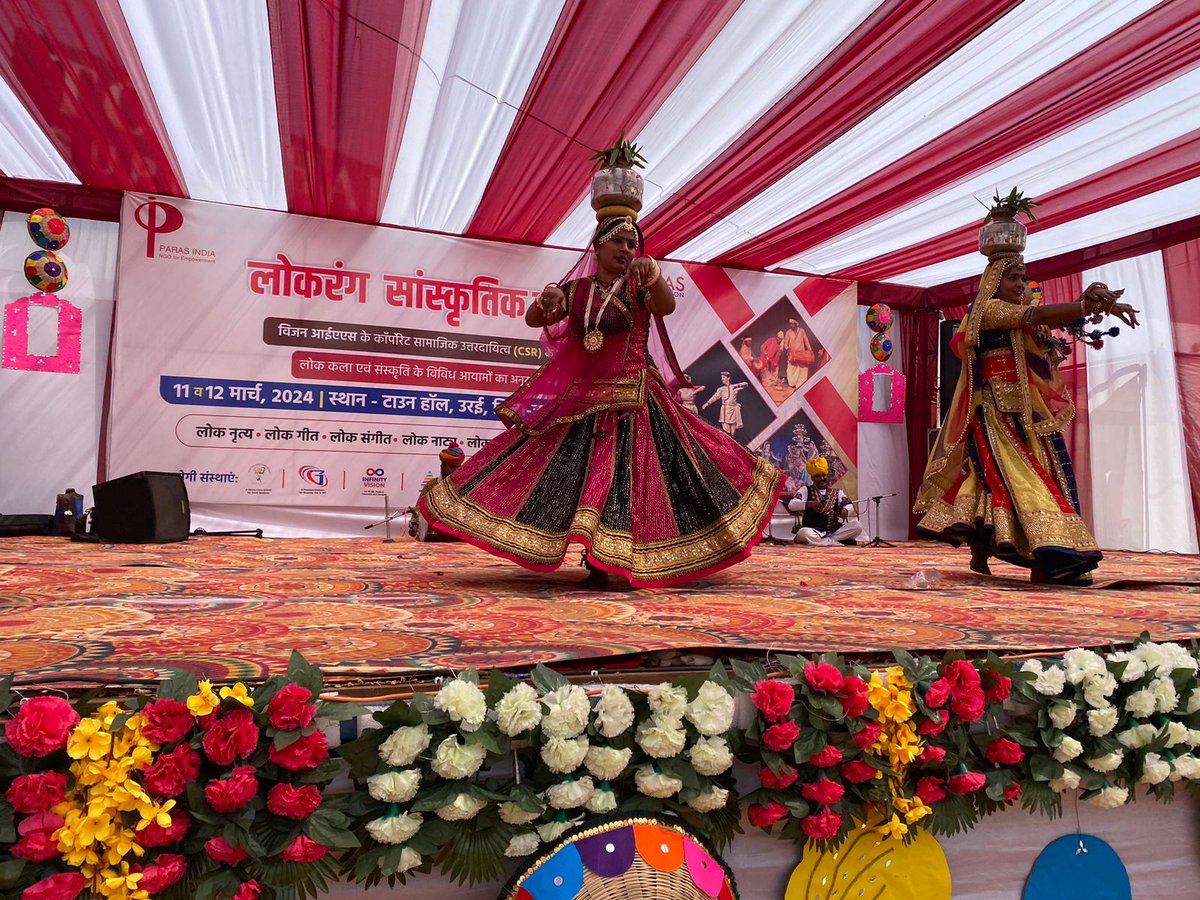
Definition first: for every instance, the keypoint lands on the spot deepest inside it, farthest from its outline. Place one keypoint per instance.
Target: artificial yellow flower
(894, 829)
(89, 740)
(153, 813)
(239, 693)
(897, 678)
(205, 702)
(90, 829)
(917, 810)
(123, 883)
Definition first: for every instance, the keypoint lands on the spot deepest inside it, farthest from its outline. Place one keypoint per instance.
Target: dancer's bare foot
(979, 560)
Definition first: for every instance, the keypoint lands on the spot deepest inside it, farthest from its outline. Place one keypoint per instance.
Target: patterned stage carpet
(236, 607)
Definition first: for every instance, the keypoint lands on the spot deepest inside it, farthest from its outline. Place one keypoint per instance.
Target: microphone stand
(388, 515)
(877, 541)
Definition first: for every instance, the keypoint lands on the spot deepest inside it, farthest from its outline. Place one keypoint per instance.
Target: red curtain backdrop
(920, 351)
(1182, 264)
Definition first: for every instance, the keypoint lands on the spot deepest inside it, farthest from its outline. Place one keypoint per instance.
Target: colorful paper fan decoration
(48, 229)
(1078, 866)
(869, 866)
(46, 271)
(624, 857)
(881, 346)
(879, 317)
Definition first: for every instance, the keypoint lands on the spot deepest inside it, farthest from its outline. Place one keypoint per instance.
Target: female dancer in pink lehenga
(598, 453)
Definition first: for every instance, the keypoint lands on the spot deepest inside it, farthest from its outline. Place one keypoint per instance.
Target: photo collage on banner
(279, 359)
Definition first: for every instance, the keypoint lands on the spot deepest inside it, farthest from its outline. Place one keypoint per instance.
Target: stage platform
(235, 608)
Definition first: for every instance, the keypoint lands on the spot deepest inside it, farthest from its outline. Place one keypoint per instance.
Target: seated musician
(826, 515)
(451, 458)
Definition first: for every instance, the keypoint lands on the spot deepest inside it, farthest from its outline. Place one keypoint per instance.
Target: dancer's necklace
(593, 338)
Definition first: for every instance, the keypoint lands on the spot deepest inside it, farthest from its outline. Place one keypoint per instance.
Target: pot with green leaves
(616, 187)
(1001, 232)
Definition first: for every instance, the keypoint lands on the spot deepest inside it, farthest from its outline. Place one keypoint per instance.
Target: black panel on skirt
(697, 498)
(552, 503)
(618, 510)
(487, 470)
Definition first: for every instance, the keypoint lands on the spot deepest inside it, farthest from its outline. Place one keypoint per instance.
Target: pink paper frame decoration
(16, 336)
(866, 396)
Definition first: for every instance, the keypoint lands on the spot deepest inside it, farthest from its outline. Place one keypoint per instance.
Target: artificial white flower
(1062, 713)
(1079, 663)
(461, 808)
(712, 799)
(567, 711)
(563, 755)
(513, 814)
(1166, 658)
(1049, 682)
(1193, 737)
(614, 711)
(409, 859)
(463, 702)
(712, 710)
(1106, 763)
(518, 710)
(455, 759)
(1193, 701)
(522, 844)
(661, 739)
(1165, 696)
(1138, 736)
(1068, 781)
(711, 756)
(1135, 668)
(1155, 769)
(667, 701)
(1153, 655)
(395, 829)
(570, 794)
(1110, 798)
(1177, 733)
(1186, 767)
(1068, 749)
(655, 784)
(1102, 721)
(395, 787)
(1097, 688)
(552, 831)
(404, 745)
(607, 763)
(1140, 703)
(602, 801)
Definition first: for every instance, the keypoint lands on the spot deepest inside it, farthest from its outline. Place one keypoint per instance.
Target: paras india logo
(158, 217)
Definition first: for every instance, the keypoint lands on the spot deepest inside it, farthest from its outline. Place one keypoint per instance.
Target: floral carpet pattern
(235, 608)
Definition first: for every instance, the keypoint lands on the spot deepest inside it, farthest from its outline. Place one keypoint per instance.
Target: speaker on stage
(143, 508)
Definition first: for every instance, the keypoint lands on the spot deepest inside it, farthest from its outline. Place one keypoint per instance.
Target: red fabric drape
(1150, 50)
(920, 353)
(1074, 373)
(1182, 264)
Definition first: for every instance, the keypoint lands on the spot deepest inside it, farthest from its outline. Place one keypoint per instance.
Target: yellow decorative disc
(869, 866)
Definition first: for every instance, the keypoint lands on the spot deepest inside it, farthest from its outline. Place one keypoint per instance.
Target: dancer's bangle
(656, 273)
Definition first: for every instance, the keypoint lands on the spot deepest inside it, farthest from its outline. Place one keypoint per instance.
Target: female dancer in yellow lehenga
(999, 476)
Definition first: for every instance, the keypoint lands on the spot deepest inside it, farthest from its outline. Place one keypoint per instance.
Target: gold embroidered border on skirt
(1028, 532)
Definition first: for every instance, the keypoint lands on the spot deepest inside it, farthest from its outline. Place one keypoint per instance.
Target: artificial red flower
(41, 726)
(823, 677)
(823, 792)
(930, 727)
(37, 843)
(854, 696)
(289, 709)
(961, 675)
(37, 793)
(159, 875)
(967, 782)
(777, 782)
(930, 790)
(938, 693)
(830, 756)
(764, 815)
(932, 754)
(249, 890)
(999, 688)
(868, 735)
(968, 705)
(170, 774)
(822, 826)
(1004, 752)
(167, 721)
(303, 849)
(232, 736)
(223, 851)
(774, 699)
(154, 835)
(64, 886)
(294, 801)
(228, 795)
(305, 753)
(858, 770)
(781, 736)
(1013, 791)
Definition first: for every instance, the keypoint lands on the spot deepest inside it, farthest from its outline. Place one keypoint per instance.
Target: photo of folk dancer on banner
(598, 452)
(999, 477)
(781, 350)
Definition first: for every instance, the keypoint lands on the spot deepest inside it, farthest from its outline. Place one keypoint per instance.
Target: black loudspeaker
(143, 508)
